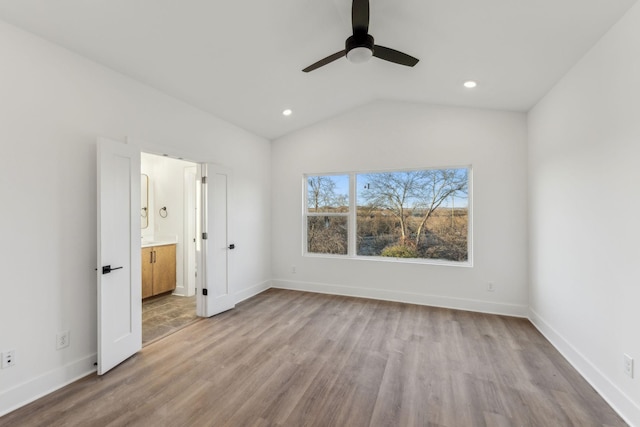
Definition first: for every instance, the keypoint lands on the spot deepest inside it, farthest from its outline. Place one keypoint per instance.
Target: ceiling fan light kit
(359, 55)
(360, 46)
(359, 49)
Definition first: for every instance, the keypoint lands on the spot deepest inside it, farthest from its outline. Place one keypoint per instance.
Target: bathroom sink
(147, 243)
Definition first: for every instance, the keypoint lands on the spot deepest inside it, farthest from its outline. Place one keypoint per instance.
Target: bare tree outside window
(413, 214)
(323, 194)
(327, 214)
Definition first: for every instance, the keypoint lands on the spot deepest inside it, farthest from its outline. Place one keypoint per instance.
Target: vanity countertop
(159, 242)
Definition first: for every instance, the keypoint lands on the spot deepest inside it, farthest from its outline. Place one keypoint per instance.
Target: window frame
(352, 219)
(306, 214)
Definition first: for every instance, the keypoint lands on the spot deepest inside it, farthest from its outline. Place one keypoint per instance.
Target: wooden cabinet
(158, 270)
(147, 272)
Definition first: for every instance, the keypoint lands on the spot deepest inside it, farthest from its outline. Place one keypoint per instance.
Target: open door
(119, 263)
(214, 293)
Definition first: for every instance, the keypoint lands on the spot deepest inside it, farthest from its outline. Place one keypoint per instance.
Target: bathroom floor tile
(165, 314)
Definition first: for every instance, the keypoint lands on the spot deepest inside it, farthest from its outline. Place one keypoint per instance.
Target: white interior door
(119, 265)
(214, 295)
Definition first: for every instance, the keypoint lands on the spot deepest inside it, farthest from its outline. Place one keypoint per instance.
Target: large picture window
(419, 214)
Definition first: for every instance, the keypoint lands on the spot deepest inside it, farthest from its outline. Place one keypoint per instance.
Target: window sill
(424, 261)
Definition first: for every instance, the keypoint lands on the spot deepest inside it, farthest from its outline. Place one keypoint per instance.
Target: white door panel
(119, 290)
(216, 247)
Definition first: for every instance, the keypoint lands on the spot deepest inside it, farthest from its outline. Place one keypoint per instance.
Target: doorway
(122, 278)
(169, 226)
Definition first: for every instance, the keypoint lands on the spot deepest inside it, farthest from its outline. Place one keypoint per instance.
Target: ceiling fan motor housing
(359, 48)
(359, 40)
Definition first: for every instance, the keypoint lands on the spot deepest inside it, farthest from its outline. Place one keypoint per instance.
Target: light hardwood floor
(286, 358)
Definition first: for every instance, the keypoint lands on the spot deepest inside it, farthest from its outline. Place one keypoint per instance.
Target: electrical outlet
(62, 340)
(490, 287)
(628, 365)
(8, 358)
(293, 269)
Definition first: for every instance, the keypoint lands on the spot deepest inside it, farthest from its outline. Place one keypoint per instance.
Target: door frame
(156, 150)
(191, 219)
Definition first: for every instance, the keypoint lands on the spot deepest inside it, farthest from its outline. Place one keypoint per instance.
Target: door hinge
(205, 292)
(205, 236)
(204, 179)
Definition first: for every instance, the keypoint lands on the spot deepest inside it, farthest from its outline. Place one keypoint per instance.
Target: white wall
(387, 135)
(584, 148)
(53, 105)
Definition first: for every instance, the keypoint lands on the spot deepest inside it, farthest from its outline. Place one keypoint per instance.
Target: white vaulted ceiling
(242, 60)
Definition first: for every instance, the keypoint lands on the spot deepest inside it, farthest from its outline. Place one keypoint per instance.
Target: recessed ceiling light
(287, 112)
(470, 84)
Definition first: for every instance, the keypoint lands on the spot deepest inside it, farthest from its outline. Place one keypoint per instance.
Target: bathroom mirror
(144, 201)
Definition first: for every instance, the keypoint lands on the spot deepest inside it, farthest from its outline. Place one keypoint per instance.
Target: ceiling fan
(360, 46)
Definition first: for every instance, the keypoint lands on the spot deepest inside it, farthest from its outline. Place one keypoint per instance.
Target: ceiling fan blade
(360, 16)
(325, 61)
(393, 55)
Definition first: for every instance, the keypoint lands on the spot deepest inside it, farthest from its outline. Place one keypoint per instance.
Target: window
(327, 214)
(416, 214)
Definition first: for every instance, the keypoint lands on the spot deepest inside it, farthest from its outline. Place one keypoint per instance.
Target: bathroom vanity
(158, 268)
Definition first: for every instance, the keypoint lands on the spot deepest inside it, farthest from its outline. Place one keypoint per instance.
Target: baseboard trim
(616, 398)
(179, 291)
(252, 291)
(46, 383)
(407, 297)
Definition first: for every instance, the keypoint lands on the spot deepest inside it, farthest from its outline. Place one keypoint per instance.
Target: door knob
(232, 246)
(106, 269)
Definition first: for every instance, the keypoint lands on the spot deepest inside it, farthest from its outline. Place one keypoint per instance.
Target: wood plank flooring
(286, 358)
